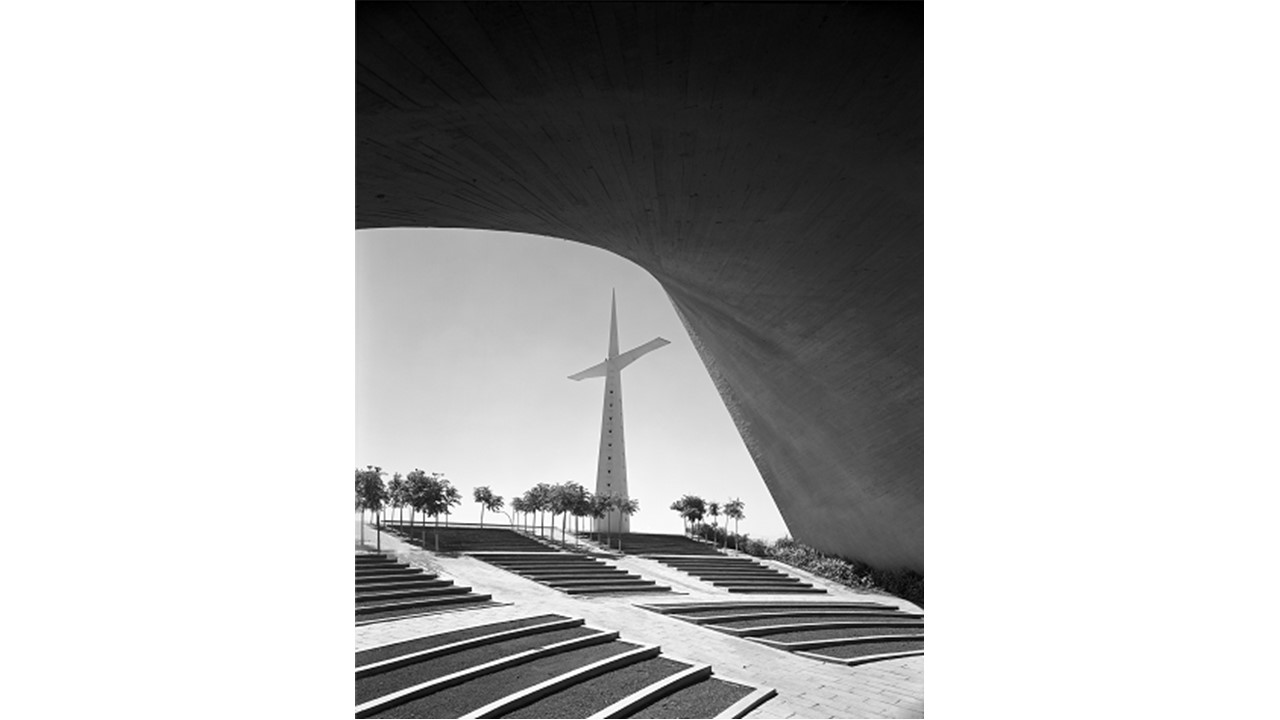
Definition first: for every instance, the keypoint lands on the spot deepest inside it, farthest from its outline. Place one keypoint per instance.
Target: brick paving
(806, 688)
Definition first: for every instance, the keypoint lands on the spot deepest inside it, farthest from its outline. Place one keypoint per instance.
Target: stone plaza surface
(806, 688)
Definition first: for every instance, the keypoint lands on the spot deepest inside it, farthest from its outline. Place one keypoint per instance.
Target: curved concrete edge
(378, 579)
(648, 695)
(426, 688)
(801, 645)
(774, 589)
(436, 611)
(467, 644)
(422, 583)
(747, 704)
(761, 615)
(861, 660)
(791, 627)
(676, 608)
(426, 602)
(529, 695)
(607, 589)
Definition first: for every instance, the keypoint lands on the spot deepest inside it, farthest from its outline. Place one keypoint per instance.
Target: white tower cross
(611, 470)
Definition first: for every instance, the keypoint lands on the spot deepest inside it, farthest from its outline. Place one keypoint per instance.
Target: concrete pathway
(806, 688)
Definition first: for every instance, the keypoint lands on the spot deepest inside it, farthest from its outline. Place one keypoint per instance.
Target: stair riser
(614, 589)
(434, 602)
(602, 582)
(811, 590)
(413, 594)
(369, 585)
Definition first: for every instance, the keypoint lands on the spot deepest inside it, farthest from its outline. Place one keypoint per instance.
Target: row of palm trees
(434, 495)
(571, 499)
(693, 509)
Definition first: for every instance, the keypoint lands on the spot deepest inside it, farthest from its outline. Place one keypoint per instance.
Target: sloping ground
(653, 544)
(737, 574)
(466, 539)
(387, 589)
(539, 666)
(849, 633)
(572, 573)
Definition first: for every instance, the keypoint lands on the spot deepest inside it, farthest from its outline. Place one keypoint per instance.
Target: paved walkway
(806, 688)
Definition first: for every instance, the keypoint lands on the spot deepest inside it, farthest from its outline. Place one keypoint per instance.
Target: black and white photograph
(621, 312)
(721, 203)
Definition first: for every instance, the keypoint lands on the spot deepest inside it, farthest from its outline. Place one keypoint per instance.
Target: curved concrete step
(425, 642)
(603, 589)
(860, 653)
(529, 695)
(415, 656)
(890, 617)
(422, 579)
(604, 577)
(711, 698)
(465, 691)
(574, 567)
(647, 695)
(779, 580)
(365, 598)
(396, 674)
(774, 589)
(586, 582)
(746, 579)
(850, 614)
(417, 604)
(793, 627)
(729, 605)
(875, 635)
(388, 569)
(836, 636)
(381, 562)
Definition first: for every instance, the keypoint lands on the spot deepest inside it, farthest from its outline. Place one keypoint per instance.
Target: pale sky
(464, 343)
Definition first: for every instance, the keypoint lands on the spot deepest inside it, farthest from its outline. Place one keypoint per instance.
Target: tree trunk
(481, 517)
(379, 530)
(437, 532)
(361, 526)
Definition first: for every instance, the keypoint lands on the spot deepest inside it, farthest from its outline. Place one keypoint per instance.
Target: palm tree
(517, 508)
(601, 504)
(628, 507)
(694, 508)
(733, 510)
(713, 509)
(488, 501)
(678, 506)
(450, 497)
(580, 509)
(563, 498)
(542, 496)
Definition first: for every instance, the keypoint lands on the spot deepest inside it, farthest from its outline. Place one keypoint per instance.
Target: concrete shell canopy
(764, 161)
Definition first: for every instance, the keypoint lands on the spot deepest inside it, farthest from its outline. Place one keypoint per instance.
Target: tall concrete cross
(611, 470)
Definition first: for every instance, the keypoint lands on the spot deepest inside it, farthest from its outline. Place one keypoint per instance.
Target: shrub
(905, 584)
